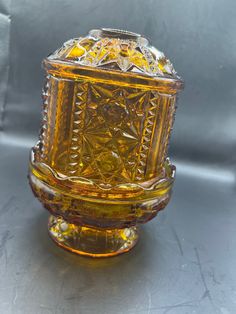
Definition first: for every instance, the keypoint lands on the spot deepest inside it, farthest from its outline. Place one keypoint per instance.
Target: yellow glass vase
(100, 164)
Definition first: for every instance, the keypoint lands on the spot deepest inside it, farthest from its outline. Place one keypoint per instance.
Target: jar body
(101, 157)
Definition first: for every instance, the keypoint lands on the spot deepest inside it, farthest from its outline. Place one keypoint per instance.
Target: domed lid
(117, 50)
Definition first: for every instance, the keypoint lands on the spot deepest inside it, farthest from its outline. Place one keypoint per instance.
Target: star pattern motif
(109, 140)
(116, 54)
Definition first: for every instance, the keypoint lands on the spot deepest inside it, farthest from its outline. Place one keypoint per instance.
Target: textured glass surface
(118, 50)
(101, 160)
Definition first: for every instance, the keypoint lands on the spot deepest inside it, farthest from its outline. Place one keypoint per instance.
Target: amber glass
(100, 166)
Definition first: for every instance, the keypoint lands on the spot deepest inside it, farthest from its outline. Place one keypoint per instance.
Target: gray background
(185, 260)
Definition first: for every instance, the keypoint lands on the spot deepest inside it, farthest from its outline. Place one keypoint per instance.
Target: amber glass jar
(100, 166)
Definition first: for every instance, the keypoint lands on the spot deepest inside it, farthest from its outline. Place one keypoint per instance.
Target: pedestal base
(90, 241)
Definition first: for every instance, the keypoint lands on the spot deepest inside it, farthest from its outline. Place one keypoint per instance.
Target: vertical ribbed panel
(45, 128)
(168, 125)
(76, 127)
(153, 165)
(63, 103)
(58, 115)
(146, 139)
(168, 103)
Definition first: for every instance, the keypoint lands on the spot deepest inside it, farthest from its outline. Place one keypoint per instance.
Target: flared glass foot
(90, 241)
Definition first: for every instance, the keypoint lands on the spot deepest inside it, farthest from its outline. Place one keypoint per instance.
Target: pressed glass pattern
(100, 165)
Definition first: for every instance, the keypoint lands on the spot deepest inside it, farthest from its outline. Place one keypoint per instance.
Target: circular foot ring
(90, 241)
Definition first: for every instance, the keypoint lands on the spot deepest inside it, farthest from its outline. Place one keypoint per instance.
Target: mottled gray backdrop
(186, 262)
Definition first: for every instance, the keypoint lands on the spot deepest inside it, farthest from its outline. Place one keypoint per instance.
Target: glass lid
(118, 50)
